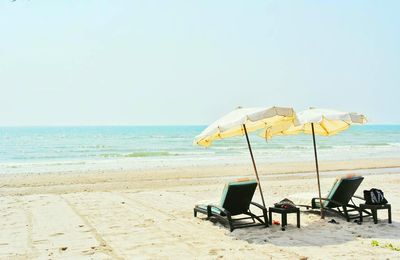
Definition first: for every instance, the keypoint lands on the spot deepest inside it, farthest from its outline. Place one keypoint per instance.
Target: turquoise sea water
(46, 149)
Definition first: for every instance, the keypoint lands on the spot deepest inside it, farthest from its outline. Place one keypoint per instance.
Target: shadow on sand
(318, 232)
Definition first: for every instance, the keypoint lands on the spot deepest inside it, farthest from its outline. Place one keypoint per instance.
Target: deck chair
(235, 201)
(340, 198)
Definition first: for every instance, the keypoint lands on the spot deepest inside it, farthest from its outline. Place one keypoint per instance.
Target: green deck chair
(339, 197)
(235, 201)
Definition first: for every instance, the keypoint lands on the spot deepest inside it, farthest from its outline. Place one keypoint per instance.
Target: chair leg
(230, 222)
(259, 219)
(266, 221)
(375, 216)
(284, 221)
(270, 217)
(298, 218)
(346, 214)
(195, 212)
(390, 214)
(209, 213)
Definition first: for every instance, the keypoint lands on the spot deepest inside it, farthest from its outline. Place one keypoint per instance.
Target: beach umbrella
(242, 121)
(325, 122)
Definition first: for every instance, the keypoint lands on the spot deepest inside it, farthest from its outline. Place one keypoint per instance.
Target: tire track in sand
(104, 246)
(29, 226)
(181, 229)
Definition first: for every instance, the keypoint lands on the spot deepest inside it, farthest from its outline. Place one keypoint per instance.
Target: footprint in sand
(112, 227)
(88, 252)
(40, 241)
(213, 251)
(56, 234)
(146, 223)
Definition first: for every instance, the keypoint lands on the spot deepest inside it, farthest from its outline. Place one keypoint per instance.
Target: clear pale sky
(189, 62)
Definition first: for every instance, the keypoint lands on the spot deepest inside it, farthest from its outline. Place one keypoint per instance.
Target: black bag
(285, 204)
(374, 197)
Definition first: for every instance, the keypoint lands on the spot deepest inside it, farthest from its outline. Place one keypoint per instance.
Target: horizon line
(139, 125)
(99, 125)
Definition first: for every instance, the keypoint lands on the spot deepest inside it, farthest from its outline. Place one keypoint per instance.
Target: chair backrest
(237, 196)
(343, 190)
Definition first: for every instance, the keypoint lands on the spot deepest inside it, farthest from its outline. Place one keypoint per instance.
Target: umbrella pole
(254, 165)
(316, 166)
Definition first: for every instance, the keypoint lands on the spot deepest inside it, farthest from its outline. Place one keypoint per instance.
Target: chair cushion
(335, 186)
(234, 183)
(213, 209)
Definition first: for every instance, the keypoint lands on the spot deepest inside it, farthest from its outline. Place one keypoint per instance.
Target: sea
(85, 148)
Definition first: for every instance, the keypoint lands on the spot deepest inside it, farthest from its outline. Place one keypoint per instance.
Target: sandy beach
(149, 214)
(120, 117)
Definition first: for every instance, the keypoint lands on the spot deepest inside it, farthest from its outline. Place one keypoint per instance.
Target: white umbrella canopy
(273, 120)
(325, 122)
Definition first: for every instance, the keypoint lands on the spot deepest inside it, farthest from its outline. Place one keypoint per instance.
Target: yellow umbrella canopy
(272, 120)
(325, 122)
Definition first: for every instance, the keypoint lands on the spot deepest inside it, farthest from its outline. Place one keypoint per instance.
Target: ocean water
(52, 149)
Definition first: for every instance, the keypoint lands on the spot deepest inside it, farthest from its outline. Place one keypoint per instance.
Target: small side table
(374, 209)
(284, 213)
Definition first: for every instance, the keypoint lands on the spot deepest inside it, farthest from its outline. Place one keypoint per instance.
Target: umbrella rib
(326, 130)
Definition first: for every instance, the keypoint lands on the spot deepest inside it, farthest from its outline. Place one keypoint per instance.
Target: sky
(190, 62)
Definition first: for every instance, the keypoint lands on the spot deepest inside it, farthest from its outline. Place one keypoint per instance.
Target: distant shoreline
(26, 183)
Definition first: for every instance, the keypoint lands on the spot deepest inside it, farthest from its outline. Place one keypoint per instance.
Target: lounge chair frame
(341, 201)
(235, 206)
(227, 218)
(342, 209)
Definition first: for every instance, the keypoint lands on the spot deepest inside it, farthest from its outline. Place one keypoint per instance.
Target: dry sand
(149, 215)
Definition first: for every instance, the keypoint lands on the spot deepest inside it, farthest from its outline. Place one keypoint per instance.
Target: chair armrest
(324, 199)
(358, 197)
(303, 206)
(313, 205)
(258, 205)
